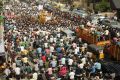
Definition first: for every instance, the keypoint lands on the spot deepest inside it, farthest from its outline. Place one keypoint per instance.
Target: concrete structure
(115, 5)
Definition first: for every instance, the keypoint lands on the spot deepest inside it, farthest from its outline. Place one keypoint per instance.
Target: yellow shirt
(24, 52)
(25, 59)
(101, 56)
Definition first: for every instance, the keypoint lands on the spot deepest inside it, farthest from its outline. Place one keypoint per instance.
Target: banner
(2, 49)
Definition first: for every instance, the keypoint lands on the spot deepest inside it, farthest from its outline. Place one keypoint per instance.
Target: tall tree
(1, 6)
(103, 5)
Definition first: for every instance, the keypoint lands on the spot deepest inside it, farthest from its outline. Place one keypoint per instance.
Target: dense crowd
(42, 52)
(103, 32)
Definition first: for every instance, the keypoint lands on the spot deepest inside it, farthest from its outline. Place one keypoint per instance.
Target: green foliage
(1, 6)
(68, 1)
(102, 6)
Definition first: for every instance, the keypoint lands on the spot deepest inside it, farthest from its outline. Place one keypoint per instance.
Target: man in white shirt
(55, 39)
(58, 35)
(63, 61)
(70, 62)
(81, 65)
(51, 49)
(7, 73)
(51, 39)
(83, 60)
(88, 24)
(45, 44)
(17, 72)
(35, 76)
(106, 34)
(36, 67)
(72, 75)
(75, 51)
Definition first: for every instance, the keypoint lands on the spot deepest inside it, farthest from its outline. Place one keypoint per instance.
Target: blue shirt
(93, 69)
(54, 63)
(58, 49)
(97, 65)
(39, 50)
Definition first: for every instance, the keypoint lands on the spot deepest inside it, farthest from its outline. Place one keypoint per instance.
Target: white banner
(2, 49)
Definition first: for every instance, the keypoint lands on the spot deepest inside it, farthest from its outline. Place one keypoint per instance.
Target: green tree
(103, 6)
(1, 6)
(68, 1)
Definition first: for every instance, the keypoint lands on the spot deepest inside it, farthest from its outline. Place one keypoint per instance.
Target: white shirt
(88, 23)
(70, 61)
(80, 39)
(51, 48)
(46, 45)
(46, 37)
(7, 72)
(61, 40)
(58, 29)
(106, 32)
(36, 67)
(81, 65)
(17, 71)
(35, 76)
(58, 35)
(63, 61)
(83, 60)
(71, 74)
(118, 34)
(22, 48)
(55, 40)
(85, 45)
(25, 38)
(74, 45)
(51, 39)
(76, 51)
(14, 65)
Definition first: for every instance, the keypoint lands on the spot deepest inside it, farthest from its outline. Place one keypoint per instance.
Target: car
(81, 13)
(111, 23)
(69, 33)
(96, 18)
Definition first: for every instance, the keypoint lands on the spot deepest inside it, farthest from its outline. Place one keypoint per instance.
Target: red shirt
(44, 58)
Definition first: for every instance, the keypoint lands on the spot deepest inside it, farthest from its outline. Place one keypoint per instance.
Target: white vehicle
(70, 34)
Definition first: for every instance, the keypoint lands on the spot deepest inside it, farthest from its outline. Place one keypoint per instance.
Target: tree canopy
(102, 6)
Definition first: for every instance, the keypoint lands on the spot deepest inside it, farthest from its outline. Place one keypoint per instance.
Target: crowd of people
(42, 52)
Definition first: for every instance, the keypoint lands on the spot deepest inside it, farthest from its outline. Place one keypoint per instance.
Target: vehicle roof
(68, 31)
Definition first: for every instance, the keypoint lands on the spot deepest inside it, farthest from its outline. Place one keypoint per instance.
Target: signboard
(2, 49)
(103, 43)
